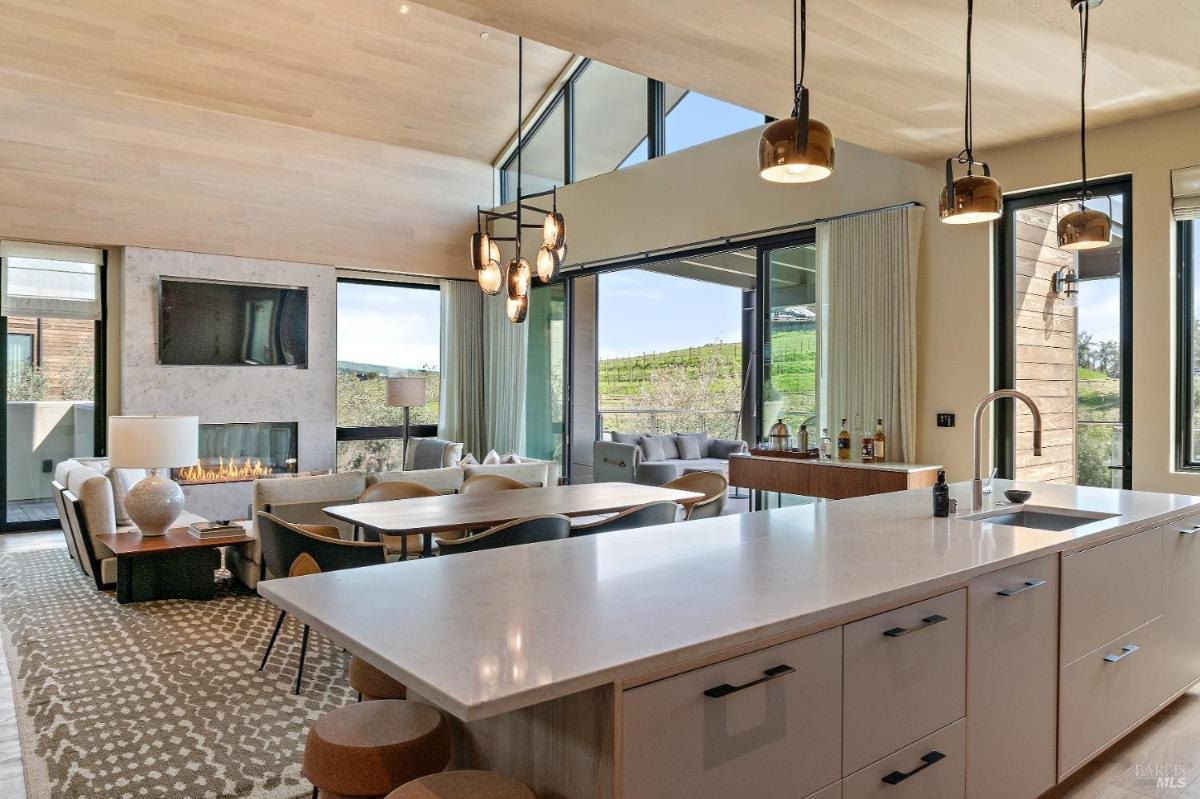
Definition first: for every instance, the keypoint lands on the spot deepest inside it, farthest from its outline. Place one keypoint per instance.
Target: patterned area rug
(156, 699)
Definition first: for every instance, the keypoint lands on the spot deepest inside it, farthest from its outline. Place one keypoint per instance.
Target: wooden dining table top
(467, 511)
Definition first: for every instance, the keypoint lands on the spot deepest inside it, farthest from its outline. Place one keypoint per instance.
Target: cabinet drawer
(1181, 605)
(1108, 590)
(701, 735)
(1012, 681)
(905, 677)
(932, 768)
(1104, 693)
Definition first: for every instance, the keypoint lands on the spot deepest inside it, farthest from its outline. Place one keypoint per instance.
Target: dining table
(454, 512)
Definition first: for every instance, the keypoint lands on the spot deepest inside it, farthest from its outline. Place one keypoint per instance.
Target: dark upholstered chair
(532, 530)
(641, 516)
(296, 550)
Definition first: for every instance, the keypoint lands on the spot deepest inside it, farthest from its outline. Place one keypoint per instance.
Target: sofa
(659, 459)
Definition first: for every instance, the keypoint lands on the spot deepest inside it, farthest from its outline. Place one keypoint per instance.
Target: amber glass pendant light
(971, 198)
(798, 149)
(1085, 228)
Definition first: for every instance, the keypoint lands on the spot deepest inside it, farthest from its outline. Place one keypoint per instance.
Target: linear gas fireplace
(239, 451)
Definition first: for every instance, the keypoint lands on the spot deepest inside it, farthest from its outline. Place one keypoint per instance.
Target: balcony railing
(656, 421)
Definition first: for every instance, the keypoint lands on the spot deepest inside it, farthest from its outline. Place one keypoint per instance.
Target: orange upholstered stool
(464, 785)
(371, 683)
(368, 749)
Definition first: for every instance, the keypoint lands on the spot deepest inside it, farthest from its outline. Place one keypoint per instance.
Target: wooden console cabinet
(827, 479)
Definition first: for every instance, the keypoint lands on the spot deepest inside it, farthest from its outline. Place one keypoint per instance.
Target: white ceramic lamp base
(154, 504)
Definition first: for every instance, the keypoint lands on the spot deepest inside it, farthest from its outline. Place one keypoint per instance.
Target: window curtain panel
(869, 269)
(505, 348)
(461, 410)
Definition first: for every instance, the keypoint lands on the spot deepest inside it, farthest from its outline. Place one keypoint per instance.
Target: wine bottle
(880, 453)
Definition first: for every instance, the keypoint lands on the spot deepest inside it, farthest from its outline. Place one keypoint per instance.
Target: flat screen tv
(216, 323)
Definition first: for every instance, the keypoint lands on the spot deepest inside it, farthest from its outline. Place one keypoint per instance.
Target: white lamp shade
(406, 392)
(153, 442)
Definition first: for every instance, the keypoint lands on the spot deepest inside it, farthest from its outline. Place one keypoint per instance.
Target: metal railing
(656, 421)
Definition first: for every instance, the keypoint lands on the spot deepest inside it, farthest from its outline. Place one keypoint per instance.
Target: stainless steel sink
(1038, 517)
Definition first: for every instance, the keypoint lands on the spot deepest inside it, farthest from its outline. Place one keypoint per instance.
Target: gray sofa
(659, 459)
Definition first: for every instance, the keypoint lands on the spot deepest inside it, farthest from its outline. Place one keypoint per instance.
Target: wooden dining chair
(296, 550)
(642, 516)
(386, 492)
(531, 530)
(482, 483)
(713, 485)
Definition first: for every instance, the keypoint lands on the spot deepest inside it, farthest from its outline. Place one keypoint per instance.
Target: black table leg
(427, 545)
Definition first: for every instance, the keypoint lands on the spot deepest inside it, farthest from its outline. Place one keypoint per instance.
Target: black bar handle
(1027, 586)
(897, 777)
(928, 621)
(725, 689)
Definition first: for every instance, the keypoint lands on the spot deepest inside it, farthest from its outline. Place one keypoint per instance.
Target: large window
(383, 330)
(545, 403)
(604, 118)
(1188, 410)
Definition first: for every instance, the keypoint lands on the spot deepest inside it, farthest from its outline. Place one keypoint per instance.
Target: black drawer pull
(1126, 651)
(725, 689)
(897, 777)
(928, 621)
(1029, 584)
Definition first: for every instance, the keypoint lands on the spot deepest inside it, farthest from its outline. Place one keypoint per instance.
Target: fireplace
(240, 451)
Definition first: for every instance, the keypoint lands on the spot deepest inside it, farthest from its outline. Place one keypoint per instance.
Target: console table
(834, 479)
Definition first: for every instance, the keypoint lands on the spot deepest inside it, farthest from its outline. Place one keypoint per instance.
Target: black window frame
(1186, 264)
(384, 432)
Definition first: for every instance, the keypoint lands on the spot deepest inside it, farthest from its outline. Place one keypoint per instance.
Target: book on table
(213, 530)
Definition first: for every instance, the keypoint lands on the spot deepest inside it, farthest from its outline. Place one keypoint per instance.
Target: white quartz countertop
(488, 632)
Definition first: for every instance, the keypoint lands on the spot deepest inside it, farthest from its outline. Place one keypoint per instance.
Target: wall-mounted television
(219, 323)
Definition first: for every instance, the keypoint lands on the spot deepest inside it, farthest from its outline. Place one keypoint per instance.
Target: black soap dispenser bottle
(941, 496)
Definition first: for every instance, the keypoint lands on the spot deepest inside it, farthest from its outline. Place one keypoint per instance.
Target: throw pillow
(429, 453)
(652, 449)
(670, 447)
(625, 438)
(122, 480)
(491, 459)
(721, 448)
(468, 460)
(701, 441)
(689, 448)
(511, 457)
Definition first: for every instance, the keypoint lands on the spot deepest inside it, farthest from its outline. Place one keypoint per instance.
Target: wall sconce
(1066, 286)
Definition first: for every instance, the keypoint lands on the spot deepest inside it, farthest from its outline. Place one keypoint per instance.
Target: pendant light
(798, 149)
(972, 198)
(1085, 229)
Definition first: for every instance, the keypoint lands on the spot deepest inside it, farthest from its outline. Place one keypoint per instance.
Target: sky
(1100, 308)
(642, 312)
(388, 326)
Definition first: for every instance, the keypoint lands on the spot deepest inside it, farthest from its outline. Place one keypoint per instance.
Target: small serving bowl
(1017, 495)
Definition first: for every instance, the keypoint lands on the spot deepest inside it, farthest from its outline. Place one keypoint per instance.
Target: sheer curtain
(868, 264)
(505, 346)
(460, 415)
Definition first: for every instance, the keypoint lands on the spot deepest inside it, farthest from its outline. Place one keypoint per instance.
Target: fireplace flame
(234, 469)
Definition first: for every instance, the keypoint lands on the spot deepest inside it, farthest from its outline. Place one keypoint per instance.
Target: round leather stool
(368, 749)
(371, 683)
(464, 785)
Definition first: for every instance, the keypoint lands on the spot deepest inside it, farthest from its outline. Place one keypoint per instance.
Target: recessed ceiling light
(484, 35)
(404, 9)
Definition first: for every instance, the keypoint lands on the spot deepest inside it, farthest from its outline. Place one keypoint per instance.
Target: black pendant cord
(967, 156)
(520, 139)
(1084, 25)
(799, 55)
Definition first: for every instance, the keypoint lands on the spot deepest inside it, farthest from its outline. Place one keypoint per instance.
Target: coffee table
(176, 565)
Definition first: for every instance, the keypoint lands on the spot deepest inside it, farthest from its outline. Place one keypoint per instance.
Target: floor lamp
(406, 393)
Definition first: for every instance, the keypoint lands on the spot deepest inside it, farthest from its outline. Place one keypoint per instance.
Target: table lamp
(406, 393)
(153, 443)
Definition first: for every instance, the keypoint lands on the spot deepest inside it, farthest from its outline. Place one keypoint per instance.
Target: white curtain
(460, 415)
(869, 267)
(505, 348)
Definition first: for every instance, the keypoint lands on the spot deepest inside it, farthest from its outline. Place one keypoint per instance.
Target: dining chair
(386, 492)
(296, 550)
(531, 530)
(631, 518)
(713, 485)
(482, 483)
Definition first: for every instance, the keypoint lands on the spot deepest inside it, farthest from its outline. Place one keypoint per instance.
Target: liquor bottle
(844, 443)
(867, 449)
(802, 439)
(880, 452)
(826, 445)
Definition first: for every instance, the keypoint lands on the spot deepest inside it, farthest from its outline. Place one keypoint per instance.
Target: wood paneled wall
(1045, 328)
(64, 349)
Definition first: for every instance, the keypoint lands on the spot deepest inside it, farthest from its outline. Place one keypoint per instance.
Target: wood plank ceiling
(326, 131)
(888, 74)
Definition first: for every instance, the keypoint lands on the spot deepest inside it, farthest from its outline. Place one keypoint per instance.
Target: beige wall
(955, 299)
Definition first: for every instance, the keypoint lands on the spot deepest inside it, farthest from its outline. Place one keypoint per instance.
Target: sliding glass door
(788, 289)
(546, 386)
(53, 300)
(1064, 338)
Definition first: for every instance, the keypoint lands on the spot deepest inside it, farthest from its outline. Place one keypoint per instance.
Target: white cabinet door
(767, 724)
(1181, 608)
(905, 677)
(1012, 681)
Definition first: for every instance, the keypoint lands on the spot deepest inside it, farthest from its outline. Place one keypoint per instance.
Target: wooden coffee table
(173, 566)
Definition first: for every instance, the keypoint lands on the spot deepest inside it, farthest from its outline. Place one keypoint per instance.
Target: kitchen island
(824, 650)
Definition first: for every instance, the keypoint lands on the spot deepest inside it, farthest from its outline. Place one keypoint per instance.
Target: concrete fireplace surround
(230, 393)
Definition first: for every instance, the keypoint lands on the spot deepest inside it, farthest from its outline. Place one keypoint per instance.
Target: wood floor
(1159, 761)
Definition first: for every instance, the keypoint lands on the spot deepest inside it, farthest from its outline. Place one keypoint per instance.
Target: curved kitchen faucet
(977, 482)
